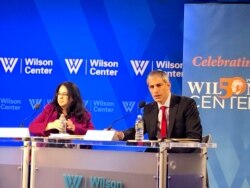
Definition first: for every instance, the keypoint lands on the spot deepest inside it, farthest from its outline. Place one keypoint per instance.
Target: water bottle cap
(139, 116)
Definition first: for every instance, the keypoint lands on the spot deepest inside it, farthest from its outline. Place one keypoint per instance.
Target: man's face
(159, 88)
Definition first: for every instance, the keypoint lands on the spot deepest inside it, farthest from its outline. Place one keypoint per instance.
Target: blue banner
(106, 47)
(216, 68)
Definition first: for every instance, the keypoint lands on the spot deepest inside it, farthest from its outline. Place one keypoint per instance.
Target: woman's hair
(76, 107)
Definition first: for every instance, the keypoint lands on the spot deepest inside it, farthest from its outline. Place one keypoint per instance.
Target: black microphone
(36, 107)
(142, 104)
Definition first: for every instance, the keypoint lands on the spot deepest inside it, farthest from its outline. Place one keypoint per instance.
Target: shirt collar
(167, 102)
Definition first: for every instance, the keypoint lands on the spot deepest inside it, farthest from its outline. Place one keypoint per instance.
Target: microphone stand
(36, 107)
(142, 104)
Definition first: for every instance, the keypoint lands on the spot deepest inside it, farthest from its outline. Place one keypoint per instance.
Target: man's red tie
(163, 122)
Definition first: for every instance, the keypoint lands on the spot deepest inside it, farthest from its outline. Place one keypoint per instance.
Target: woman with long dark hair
(66, 103)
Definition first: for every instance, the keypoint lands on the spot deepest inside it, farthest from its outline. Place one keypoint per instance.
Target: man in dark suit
(182, 115)
(182, 118)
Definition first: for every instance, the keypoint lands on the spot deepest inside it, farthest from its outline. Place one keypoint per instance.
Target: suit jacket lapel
(153, 121)
(172, 113)
(155, 118)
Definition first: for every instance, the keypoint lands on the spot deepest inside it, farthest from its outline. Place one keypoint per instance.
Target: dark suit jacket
(184, 120)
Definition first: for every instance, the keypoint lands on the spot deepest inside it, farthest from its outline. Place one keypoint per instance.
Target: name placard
(14, 132)
(100, 135)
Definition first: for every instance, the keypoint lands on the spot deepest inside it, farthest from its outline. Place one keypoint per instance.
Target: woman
(67, 101)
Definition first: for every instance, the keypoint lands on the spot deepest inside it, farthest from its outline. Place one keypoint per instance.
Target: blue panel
(216, 65)
(106, 47)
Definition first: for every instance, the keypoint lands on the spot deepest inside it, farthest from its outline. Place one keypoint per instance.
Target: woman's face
(63, 97)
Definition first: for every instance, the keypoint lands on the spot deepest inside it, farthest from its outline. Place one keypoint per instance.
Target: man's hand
(120, 135)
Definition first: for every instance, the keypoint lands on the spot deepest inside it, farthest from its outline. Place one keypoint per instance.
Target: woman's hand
(70, 125)
(57, 124)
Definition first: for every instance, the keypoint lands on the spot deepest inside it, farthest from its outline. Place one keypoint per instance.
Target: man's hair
(159, 73)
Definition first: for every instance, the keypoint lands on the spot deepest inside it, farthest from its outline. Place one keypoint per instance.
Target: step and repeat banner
(106, 47)
(216, 74)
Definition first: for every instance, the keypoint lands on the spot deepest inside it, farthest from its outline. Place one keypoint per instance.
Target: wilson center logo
(139, 66)
(128, 105)
(8, 63)
(35, 102)
(73, 65)
(72, 181)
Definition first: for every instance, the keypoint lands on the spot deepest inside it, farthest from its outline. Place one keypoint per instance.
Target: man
(182, 116)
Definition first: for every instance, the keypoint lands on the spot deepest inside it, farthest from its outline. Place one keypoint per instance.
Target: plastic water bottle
(139, 128)
(63, 122)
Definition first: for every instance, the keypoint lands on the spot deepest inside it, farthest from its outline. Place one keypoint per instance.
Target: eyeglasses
(62, 94)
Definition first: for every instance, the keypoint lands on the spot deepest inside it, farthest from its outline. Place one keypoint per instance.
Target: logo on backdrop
(94, 67)
(173, 69)
(139, 66)
(232, 86)
(15, 104)
(8, 63)
(72, 181)
(99, 67)
(76, 181)
(29, 65)
(100, 106)
(10, 104)
(128, 105)
(86, 102)
(37, 66)
(73, 65)
(228, 93)
(34, 102)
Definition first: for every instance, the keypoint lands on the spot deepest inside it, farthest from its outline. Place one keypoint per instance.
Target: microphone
(142, 104)
(36, 107)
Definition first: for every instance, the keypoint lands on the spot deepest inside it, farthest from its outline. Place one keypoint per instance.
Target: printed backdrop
(216, 74)
(106, 47)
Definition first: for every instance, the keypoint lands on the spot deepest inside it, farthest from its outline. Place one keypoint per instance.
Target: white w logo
(47, 101)
(128, 105)
(8, 63)
(73, 65)
(34, 102)
(139, 66)
(85, 102)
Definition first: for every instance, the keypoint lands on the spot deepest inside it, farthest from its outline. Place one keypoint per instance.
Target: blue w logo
(72, 181)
